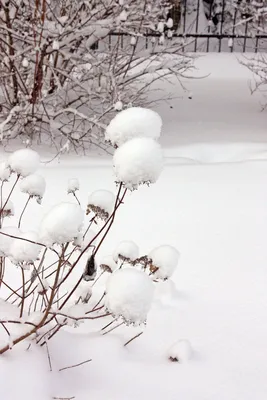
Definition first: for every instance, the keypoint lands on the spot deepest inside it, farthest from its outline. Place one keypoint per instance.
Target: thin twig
(49, 358)
(135, 337)
(75, 365)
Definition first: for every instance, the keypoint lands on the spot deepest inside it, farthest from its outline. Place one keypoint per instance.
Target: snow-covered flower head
(131, 123)
(7, 207)
(24, 162)
(4, 172)
(129, 295)
(7, 235)
(101, 202)
(138, 161)
(25, 250)
(73, 185)
(164, 261)
(108, 264)
(62, 224)
(126, 250)
(34, 185)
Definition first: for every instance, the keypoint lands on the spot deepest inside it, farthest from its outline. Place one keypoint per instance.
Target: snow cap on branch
(4, 171)
(164, 261)
(7, 207)
(24, 162)
(129, 295)
(23, 251)
(73, 185)
(6, 241)
(131, 123)
(108, 264)
(62, 224)
(138, 161)
(102, 203)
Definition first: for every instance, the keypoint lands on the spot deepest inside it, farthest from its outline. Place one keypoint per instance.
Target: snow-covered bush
(59, 264)
(66, 88)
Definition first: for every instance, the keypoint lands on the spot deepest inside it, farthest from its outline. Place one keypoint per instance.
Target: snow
(165, 259)
(138, 161)
(24, 162)
(4, 172)
(22, 251)
(73, 185)
(7, 207)
(62, 224)
(33, 185)
(126, 249)
(129, 295)
(131, 123)
(210, 203)
(180, 351)
(102, 203)
(108, 263)
(6, 241)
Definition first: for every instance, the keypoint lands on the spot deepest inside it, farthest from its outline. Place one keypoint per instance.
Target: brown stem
(21, 215)
(8, 197)
(23, 292)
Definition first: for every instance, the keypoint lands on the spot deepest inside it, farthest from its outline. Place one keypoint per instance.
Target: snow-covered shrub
(129, 295)
(67, 88)
(60, 264)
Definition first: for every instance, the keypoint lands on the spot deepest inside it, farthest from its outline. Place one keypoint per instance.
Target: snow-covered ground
(211, 204)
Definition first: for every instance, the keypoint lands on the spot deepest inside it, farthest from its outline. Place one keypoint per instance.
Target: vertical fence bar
(233, 31)
(221, 27)
(257, 38)
(184, 21)
(209, 26)
(245, 37)
(197, 22)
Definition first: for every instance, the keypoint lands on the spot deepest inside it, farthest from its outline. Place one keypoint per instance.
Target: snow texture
(165, 259)
(4, 171)
(73, 185)
(24, 162)
(180, 351)
(129, 295)
(33, 185)
(22, 251)
(62, 224)
(107, 263)
(131, 123)
(101, 202)
(137, 162)
(126, 249)
(6, 241)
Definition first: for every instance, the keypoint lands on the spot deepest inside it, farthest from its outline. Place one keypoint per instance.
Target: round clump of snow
(33, 185)
(4, 172)
(102, 203)
(180, 351)
(126, 250)
(73, 185)
(164, 261)
(129, 295)
(108, 264)
(24, 162)
(62, 224)
(137, 162)
(6, 241)
(131, 123)
(24, 251)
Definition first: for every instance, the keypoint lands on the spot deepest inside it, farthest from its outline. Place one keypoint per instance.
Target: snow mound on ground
(137, 162)
(129, 295)
(101, 202)
(164, 261)
(126, 249)
(24, 162)
(34, 185)
(180, 351)
(22, 251)
(131, 123)
(62, 224)
(4, 171)
(6, 241)
(73, 185)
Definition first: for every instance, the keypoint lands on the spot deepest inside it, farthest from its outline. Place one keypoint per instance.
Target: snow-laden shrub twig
(57, 289)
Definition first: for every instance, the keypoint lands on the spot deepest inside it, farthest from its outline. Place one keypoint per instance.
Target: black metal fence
(216, 26)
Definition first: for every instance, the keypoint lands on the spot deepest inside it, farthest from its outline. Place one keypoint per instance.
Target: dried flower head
(101, 202)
